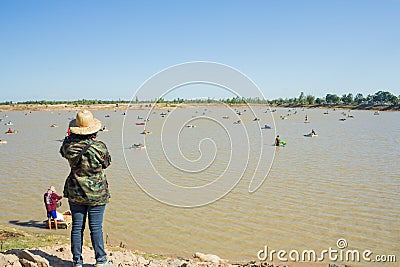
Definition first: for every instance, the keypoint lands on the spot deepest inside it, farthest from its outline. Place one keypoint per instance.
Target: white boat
(9, 123)
(3, 142)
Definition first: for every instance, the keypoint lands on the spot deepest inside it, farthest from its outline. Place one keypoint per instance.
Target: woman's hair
(83, 137)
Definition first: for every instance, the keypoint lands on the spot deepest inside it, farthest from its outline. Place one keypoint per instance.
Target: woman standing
(86, 186)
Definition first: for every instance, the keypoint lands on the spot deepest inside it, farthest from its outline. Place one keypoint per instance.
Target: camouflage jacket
(86, 183)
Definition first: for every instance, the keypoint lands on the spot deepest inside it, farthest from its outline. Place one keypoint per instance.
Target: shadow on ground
(31, 223)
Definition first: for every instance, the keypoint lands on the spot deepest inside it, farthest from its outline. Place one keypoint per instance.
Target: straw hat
(84, 123)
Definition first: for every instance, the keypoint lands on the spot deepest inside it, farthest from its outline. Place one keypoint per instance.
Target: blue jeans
(79, 214)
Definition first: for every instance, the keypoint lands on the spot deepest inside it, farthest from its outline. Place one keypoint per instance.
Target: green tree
(319, 101)
(347, 99)
(302, 99)
(310, 99)
(332, 99)
(359, 98)
(384, 97)
(369, 99)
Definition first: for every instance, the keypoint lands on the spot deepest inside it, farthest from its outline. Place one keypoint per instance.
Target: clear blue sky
(106, 49)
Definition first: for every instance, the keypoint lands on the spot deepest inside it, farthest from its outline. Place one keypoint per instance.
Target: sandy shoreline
(22, 248)
(141, 106)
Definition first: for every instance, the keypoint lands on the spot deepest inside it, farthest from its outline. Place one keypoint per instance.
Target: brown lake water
(342, 184)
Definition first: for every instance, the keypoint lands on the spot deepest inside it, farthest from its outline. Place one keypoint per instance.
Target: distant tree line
(61, 102)
(379, 98)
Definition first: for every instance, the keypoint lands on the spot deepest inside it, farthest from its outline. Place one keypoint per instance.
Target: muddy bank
(20, 248)
(60, 256)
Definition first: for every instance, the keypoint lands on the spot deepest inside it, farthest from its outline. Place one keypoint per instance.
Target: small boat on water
(225, 117)
(237, 122)
(376, 113)
(3, 142)
(11, 132)
(53, 125)
(9, 123)
(107, 116)
(163, 113)
(145, 132)
(140, 118)
(190, 126)
(342, 119)
(311, 135)
(266, 127)
(256, 119)
(138, 146)
(140, 123)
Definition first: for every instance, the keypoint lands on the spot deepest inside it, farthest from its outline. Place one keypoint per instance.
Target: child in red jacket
(50, 200)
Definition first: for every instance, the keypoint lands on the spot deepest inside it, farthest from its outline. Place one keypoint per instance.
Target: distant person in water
(9, 130)
(306, 119)
(277, 141)
(313, 132)
(50, 199)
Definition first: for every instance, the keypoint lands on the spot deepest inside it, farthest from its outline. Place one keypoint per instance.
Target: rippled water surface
(342, 184)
